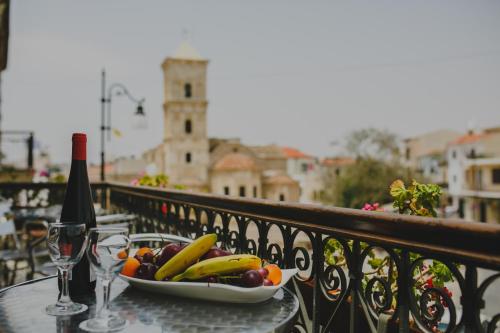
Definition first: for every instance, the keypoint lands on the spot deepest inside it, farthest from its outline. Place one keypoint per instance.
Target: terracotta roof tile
(235, 162)
(468, 138)
(295, 153)
(279, 179)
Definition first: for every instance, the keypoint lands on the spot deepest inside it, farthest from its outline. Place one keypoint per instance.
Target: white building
(474, 175)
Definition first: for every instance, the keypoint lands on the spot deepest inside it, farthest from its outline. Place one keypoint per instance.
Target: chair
(16, 254)
(115, 220)
(36, 233)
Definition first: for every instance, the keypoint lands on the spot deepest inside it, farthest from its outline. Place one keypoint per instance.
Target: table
(22, 309)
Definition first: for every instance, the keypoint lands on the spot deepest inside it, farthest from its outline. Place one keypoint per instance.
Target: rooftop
(235, 162)
(186, 51)
(295, 153)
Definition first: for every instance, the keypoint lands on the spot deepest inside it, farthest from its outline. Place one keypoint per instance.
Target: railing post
(404, 277)
(468, 299)
(355, 276)
(318, 264)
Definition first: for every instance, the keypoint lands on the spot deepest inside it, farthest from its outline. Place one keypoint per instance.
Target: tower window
(226, 190)
(242, 191)
(188, 157)
(187, 90)
(188, 126)
(255, 191)
(282, 197)
(495, 173)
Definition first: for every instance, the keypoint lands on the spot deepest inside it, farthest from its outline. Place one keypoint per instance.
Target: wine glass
(107, 251)
(66, 243)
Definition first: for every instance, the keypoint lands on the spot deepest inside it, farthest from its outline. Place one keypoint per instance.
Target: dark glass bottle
(78, 208)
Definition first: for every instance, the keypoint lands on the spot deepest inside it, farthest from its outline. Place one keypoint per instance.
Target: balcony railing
(335, 250)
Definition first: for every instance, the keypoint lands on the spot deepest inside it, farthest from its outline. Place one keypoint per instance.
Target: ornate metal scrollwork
(430, 304)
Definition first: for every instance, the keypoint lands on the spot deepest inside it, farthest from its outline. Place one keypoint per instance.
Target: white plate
(211, 291)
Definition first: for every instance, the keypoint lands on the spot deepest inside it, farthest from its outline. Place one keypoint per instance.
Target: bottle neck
(79, 151)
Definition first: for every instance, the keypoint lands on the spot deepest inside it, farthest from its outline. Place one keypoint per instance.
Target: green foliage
(376, 165)
(441, 273)
(160, 180)
(418, 199)
(58, 178)
(365, 181)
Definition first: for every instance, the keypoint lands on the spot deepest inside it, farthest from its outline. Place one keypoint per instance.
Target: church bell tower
(185, 140)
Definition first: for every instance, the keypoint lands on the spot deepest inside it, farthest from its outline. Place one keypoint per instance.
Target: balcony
(334, 250)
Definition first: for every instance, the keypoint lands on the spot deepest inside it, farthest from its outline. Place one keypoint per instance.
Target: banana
(220, 266)
(186, 257)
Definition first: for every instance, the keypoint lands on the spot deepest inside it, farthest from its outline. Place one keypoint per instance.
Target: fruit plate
(211, 291)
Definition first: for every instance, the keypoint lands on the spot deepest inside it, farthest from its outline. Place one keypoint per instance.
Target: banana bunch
(185, 258)
(220, 266)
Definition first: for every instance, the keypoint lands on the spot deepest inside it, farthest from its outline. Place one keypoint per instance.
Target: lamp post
(117, 89)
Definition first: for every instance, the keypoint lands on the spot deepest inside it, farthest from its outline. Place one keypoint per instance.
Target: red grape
(251, 279)
(212, 279)
(168, 252)
(268, 283)
(147, 257)
(263, 272)
(146, 271)
(214, 253)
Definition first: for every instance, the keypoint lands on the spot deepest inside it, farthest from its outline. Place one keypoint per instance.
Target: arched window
(188, 126)
(187, 90)
(188, 157)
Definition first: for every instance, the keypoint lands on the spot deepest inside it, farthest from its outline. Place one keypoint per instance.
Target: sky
(294, 73)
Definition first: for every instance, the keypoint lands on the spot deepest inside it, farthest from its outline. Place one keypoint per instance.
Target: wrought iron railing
(336, 250)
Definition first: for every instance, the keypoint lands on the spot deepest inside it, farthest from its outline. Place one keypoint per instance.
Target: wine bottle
(78, 208)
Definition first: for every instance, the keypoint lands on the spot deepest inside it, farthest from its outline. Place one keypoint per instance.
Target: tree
(377, 164)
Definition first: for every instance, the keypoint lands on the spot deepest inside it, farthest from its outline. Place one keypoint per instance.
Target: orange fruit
(122, 254)
(142, 251)
(275, 273)
(130, 267)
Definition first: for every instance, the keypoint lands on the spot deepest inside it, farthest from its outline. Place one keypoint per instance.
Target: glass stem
(64, 299)
(104, 311)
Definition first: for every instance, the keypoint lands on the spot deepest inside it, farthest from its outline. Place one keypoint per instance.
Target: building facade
(190, 158)
(474, 176)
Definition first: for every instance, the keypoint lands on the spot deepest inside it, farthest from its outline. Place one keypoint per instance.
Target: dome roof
(279, 179)
(186, 51)
(235, 162)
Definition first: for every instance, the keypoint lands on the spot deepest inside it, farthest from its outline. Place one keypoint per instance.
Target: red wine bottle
(78, 208)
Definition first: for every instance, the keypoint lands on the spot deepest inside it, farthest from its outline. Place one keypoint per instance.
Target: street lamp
(117, 89)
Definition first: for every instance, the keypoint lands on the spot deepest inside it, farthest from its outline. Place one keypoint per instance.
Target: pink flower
(367, 206)
(134, 182)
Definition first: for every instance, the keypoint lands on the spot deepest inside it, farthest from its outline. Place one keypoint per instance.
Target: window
(454, 154)
(255, 191)
(408, 153)
(188, 126)
(226, 190)
(282, 197)
(304, 167)
(495, 176)
(454, 178)
(242, 191)
(187, 90)
(337, 171)
(188, 157)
